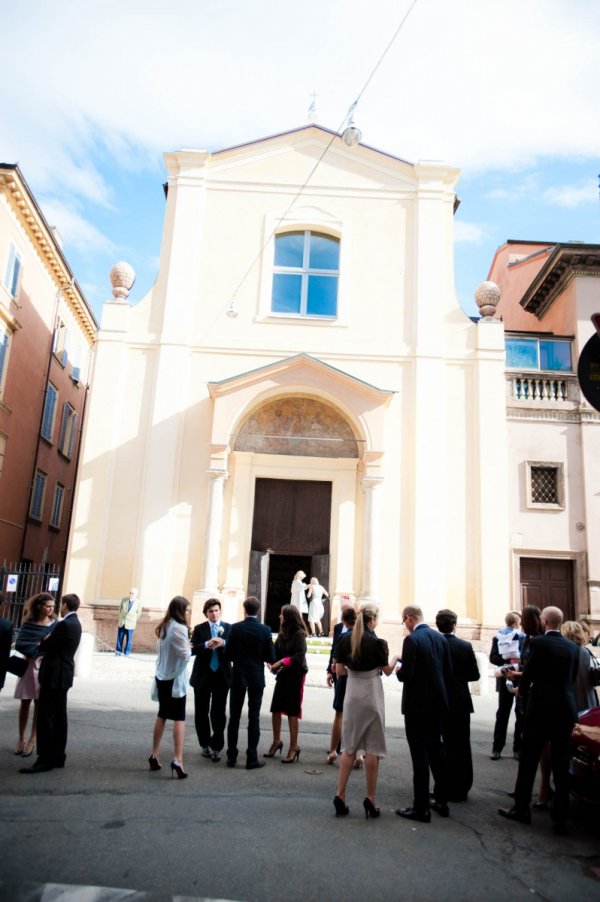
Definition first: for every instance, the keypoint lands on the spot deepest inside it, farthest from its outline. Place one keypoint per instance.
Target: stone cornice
(17, 192)
(560, 416)
(564, 263)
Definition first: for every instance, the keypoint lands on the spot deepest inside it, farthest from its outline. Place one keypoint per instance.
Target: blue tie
(214, 658)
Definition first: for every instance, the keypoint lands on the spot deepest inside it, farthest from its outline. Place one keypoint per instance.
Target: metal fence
(19, 581)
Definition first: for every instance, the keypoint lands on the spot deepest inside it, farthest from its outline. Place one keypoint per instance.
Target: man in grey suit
(56, 678)
(249, 648)
(425, 672)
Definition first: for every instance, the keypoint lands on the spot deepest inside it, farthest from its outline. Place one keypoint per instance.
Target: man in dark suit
(211, 679)
(250, 647)
(56, 678)
(425, 671)
(457, 723)
(550, 712)
(6, 632)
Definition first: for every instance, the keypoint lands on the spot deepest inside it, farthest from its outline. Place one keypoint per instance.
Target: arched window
(305, 277)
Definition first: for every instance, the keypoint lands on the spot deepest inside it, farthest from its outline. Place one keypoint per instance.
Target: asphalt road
(262, 835)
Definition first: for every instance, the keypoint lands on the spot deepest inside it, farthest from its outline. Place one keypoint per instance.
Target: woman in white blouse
(316, 593)
(298, 595)
(171, 681)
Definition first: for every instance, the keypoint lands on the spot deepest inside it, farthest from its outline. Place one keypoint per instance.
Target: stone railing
(542, 389)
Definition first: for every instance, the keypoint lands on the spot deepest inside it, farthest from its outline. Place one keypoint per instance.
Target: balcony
(542, 391)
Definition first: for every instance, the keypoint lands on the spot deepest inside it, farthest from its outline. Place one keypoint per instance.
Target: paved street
(262, 835)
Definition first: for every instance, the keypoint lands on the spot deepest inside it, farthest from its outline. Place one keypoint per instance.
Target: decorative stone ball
(122, 277)
(487, 296)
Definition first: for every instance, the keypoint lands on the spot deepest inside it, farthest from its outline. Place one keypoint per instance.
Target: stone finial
(487, 296)
(122, 277)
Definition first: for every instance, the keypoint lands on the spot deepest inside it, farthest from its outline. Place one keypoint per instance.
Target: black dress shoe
(216, 756)
(441, 808)
(495, 756)
(516, 814)
(254, 765)
(415, 814)
(38, 768)
(231, 762)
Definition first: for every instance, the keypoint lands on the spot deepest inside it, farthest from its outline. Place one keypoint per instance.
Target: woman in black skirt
(291, 670)
(171, 681)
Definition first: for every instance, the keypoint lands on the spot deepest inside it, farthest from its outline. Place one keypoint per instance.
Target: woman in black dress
(364, 657)
(291, 670)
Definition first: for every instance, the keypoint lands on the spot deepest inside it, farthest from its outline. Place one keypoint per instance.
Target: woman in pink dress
(38, 621)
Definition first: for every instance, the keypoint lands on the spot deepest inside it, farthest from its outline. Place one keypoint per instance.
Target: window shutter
(73, 434)
(3, 353)
(63, 428)
(48, 417)
(38, 495)
(15, 276)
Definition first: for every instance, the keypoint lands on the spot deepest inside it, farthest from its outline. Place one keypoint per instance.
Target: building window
(4, 345)
(60, 343)
(2, 451)
(68, 431)
(545, 485)
(545, 354)
(306, 273)
(37, 495)
(57, 505)
(49, 411)
(13, 271)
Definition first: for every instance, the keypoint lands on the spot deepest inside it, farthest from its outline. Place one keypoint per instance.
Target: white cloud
(75, 229)
(572, 195)
(467, 232)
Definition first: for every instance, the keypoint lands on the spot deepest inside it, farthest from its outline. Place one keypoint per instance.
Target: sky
(96, 91)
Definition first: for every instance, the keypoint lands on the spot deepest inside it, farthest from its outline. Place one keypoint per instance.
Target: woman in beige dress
(364, 657)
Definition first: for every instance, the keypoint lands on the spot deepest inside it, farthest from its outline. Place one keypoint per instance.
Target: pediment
(300, 371)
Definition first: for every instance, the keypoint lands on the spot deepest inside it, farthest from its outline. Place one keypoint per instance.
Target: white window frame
(49, 414)
(311, 219)
(5, 343)
(57, 505)
(304, 272)
(13, 270)
(38, 495)
(60, 343)
(68, 430)
(560, 485)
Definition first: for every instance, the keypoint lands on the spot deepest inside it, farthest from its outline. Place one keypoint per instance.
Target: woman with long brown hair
(290, 668)
(364, 657)
(38, 620)
(171, 681)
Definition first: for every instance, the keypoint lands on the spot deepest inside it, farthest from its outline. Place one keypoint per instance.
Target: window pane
(286, 293)
(324, 252)
(521, 353)
(322, 296)
(289, 249)
(555, 355)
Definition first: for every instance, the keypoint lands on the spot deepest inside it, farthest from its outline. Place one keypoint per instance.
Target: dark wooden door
(291, 516)
(548, 581)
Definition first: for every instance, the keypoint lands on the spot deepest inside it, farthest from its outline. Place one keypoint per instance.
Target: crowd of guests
(544, 667)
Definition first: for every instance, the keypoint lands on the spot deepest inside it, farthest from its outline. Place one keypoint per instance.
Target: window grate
(544, 485)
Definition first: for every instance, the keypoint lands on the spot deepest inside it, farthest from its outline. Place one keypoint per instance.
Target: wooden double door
(291, 530)
(548, 581)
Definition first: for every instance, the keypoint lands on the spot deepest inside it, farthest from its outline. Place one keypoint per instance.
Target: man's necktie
(214, 658)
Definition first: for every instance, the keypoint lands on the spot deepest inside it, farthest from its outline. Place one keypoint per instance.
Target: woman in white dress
(298, 595)
(315, 595)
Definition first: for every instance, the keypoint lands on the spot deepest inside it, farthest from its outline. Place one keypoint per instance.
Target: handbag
(594, 669)
(17, 665)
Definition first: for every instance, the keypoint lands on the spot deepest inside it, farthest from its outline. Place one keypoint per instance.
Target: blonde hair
(365, 615)
(573, 631)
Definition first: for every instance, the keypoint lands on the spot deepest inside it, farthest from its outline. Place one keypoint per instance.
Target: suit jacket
(426, 671)
(548, 676)
(337, 632)
(129, 618)
(6, 632)
(58, 648)
(201, 634)
(249, 648)
(464, 671)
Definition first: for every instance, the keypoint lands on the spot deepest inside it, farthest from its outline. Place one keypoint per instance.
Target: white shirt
(173, 654)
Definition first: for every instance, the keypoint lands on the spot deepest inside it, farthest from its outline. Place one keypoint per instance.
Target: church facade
(299, 390)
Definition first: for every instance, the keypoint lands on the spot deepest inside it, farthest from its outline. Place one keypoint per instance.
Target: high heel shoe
(177, 769)
(292, 755)
(331, 756)
(275, 747)
(370, 809)
(153, 762)
(341, 809)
